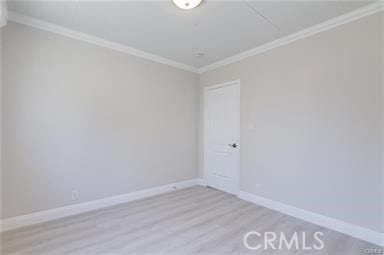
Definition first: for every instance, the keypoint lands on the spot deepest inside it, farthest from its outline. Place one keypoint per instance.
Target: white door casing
(222, 136)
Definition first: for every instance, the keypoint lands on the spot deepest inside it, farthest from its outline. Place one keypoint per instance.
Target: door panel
(222, 130)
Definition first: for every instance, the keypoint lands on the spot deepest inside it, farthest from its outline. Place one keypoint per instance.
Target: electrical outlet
(75, 194)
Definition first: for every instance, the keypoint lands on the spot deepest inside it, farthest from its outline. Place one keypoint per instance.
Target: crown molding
(47, 26)
(327, 25)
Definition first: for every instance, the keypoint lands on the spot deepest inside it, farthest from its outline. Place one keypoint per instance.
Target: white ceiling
(216, 28)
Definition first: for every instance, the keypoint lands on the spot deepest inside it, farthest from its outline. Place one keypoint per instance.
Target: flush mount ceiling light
(187, 4)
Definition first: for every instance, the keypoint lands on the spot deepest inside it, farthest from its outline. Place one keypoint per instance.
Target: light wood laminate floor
(195, 220)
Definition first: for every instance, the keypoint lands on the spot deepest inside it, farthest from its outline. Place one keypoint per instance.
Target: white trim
(202, 182)
(318, 219)
(222, 85)
(57, 213)
(230, 83)
(329, 24)
(36, 23)
(3, 13)
(334, 22)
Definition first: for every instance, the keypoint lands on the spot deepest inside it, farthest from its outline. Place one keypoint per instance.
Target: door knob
(233, 145)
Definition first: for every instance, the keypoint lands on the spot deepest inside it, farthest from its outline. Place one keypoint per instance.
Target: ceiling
(218, 29)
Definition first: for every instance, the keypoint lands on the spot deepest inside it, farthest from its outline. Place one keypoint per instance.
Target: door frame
(205, 170)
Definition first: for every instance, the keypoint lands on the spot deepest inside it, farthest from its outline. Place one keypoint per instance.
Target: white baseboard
(57, 213)
(324, 221)
(318, 219)
(202, 182)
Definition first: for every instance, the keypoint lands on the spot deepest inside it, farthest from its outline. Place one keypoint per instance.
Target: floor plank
(195, 220)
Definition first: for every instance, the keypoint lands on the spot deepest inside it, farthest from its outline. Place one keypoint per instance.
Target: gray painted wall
(382, 123)
(80, 117)
(316, 107)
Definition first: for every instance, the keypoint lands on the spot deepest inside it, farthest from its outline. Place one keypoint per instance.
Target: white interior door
(222, 136)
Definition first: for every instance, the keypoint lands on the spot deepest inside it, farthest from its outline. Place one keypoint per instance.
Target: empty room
(192, 127)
